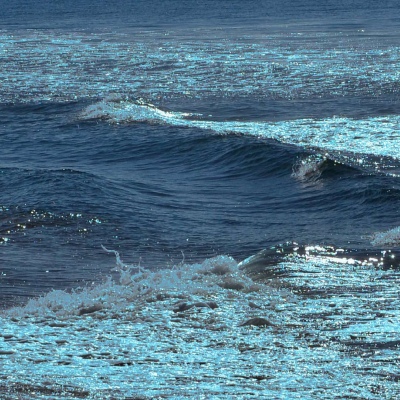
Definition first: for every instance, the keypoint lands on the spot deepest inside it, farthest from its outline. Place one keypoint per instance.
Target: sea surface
(200, 199)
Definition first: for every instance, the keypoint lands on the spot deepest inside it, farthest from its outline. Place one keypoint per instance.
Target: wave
(132, 282)
(309, 169)
(368, 143)
(268, 262)
(208, 328)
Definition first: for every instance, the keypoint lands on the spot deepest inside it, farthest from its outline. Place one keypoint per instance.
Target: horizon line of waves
(375, 136)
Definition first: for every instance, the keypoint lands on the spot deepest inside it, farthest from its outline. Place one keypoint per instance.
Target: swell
(177, 182)
(47, 187)
(368, 142)
(172, 161)
(234, 158)
(200, 155)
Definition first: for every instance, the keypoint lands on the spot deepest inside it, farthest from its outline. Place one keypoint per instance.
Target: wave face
(127, 174)
(369, 141)
(199, 199)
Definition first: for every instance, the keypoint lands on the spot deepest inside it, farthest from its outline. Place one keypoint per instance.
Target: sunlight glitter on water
(271, 66)
(343, 136)
(208, 329)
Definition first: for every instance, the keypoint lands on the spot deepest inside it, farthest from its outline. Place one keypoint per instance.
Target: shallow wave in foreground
(316, 328)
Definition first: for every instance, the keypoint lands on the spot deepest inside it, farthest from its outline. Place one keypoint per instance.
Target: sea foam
(133, 283)
(355, 139)
(390, 237)
(206, 330)
(309, 169)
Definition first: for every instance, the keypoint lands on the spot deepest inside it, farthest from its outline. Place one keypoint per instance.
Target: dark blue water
(243, 95)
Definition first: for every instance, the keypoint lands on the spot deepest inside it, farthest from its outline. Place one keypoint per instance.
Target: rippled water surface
(220, 177)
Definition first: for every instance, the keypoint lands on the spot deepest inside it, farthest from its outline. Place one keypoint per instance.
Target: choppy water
(176, 132)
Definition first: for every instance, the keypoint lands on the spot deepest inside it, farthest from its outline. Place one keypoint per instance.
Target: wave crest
(390, 237)
(353, 142)
(211, 276)
(309, 169)
(117, 109)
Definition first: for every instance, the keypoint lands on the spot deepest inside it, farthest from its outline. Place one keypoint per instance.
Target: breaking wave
(309, 169)
(390, 237)
(209, 328)
(367, 143)
(132, 282)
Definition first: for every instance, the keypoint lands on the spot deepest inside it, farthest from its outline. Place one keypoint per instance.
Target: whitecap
(390, 237)
(352, 139)
(309, 169)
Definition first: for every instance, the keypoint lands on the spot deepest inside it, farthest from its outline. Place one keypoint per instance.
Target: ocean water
(199, 199)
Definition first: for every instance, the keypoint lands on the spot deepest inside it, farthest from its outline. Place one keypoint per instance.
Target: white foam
(377, 136)
(181, 333)
(390, 237)
(113, 340)
(308, 169)
(119, 110)
(113, 296)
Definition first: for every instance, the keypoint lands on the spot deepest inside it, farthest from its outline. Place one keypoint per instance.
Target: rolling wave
(367, 143)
